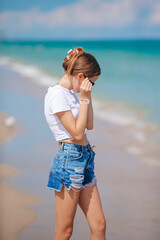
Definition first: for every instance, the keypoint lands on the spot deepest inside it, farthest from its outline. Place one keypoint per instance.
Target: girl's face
(78, 81)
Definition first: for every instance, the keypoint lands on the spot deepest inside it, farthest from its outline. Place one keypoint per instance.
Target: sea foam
(29, 71)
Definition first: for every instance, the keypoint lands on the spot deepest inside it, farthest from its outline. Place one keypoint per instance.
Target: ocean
(128, 89)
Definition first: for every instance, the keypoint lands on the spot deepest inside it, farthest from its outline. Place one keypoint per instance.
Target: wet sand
(7, 132)
(126, 165)
(14, 211)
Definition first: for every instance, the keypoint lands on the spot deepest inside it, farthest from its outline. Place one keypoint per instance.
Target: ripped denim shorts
(72, 166)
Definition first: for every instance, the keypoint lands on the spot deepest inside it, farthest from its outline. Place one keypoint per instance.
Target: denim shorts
(72, 166)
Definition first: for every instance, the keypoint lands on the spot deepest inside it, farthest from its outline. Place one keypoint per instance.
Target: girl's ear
(80, 76)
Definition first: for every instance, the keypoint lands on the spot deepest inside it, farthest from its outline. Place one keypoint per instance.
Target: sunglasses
(89, 80)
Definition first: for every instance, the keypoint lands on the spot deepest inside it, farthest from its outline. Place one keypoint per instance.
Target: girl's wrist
(84, 100)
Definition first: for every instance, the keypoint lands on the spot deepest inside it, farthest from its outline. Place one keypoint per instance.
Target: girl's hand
(85, 89)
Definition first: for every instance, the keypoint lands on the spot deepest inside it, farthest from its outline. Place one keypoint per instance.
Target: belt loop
(82, 148)
(62, 145)
(88, 145)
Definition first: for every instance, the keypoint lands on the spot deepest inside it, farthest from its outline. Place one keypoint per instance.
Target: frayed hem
(52, 188)
(94, 180)
(75, 190)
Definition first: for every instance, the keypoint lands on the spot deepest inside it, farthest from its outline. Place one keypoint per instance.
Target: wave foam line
(29, 71)
(115, 116)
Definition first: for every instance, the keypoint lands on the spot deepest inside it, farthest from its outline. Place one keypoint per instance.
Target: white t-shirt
(58, 99)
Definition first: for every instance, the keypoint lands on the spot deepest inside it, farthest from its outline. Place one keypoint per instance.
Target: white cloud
(155, 16)
(85, 13)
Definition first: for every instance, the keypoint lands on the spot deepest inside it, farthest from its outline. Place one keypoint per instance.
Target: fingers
(85, 88)
(86, 84)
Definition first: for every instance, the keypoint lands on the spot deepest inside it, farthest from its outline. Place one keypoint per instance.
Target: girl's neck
(66, 82)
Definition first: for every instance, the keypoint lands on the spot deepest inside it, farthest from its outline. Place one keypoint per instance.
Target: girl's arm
(77, 128)
(90, 115)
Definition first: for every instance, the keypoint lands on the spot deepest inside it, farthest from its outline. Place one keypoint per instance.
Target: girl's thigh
(90, 203)
(65, 206)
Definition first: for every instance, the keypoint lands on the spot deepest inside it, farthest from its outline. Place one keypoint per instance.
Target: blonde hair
(81, 62)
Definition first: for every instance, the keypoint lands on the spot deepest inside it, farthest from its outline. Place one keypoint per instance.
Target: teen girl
(72, 173)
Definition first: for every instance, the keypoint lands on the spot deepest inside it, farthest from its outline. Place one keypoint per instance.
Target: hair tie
(70, 52)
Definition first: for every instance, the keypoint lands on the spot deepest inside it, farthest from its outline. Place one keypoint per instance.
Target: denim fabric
(72, 166)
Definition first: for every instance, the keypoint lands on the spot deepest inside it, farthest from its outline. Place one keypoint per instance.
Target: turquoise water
(130, 68)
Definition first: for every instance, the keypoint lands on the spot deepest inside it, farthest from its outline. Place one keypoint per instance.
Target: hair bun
(80, 50)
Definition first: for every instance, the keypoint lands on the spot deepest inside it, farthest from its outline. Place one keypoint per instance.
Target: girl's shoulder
(54, 90)
(58, 92)
(59, 89)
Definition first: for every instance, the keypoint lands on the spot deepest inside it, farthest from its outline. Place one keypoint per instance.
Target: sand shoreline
(13, 202)
(8, 127)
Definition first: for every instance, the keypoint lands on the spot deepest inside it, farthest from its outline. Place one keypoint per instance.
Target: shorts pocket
(74, 155)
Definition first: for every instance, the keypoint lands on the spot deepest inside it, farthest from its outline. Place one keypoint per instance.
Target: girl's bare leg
(65, 206)
(90, 203)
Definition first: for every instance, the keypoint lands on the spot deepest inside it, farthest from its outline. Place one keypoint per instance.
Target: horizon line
(79, 40)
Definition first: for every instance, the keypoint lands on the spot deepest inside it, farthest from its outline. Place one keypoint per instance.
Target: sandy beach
(7, 132)
(15, 214)
(126, 165)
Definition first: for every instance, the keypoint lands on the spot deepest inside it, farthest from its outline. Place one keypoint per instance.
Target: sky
(79, 19)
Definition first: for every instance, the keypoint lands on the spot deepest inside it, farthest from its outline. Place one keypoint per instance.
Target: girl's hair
(82, 62)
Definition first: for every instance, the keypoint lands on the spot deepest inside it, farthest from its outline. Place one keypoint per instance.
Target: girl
(72, 171)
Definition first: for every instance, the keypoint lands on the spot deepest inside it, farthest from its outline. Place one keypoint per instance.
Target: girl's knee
(64, 233)
(68, 233)
(99, 225)
(102, 224)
